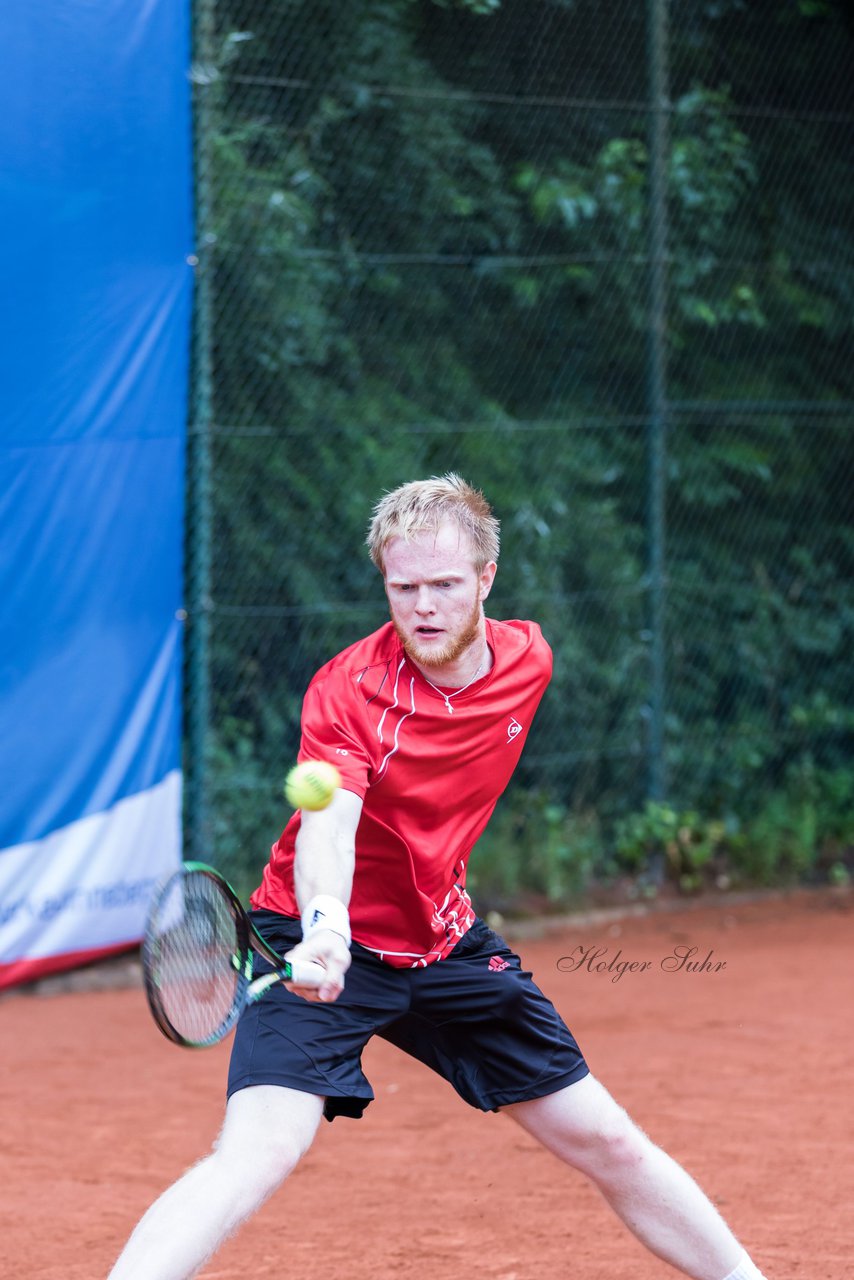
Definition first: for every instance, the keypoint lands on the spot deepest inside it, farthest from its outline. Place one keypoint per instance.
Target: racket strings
(196, 962)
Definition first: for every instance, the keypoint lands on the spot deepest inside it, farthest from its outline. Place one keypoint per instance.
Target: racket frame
(247, 941)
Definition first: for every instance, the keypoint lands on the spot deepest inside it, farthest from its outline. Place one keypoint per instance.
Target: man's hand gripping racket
(198, 958)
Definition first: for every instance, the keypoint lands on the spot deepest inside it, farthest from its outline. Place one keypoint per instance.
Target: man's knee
(609, 1148)
(265, 1158)
(265, 1134)
(585, 1127)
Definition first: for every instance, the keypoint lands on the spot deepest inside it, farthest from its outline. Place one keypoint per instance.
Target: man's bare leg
(653, 1195)
(266, 1131)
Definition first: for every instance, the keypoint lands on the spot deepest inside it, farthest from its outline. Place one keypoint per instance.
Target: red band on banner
(21, 971)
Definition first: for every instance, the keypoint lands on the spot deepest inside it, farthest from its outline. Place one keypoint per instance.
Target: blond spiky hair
(422, 505)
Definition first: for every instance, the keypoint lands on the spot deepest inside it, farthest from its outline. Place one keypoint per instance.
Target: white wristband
(326, 912)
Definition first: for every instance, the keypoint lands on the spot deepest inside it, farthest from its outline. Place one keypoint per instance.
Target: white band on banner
(87, 886)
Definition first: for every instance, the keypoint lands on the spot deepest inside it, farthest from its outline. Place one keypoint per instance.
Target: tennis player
(425, 719)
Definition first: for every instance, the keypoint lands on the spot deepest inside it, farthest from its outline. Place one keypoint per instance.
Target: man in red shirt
(425, 720)
(428, 760)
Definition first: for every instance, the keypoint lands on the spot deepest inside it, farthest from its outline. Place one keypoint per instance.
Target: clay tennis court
(743, 1072)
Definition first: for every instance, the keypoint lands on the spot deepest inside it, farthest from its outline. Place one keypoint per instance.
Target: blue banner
(96, 233)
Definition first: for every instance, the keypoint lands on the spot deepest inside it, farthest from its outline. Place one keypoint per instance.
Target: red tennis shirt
(429, 778)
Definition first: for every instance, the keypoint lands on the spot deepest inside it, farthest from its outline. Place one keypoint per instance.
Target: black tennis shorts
(475, 1017)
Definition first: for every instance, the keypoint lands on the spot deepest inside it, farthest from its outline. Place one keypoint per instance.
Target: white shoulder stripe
(387, 757)
(393, 705)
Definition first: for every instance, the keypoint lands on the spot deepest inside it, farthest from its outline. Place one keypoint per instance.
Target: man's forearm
(326, 851)
(323, 880)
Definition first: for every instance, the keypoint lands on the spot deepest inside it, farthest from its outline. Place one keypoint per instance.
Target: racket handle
(304, 973)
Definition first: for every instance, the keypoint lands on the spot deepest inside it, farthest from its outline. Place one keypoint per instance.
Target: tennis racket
(197, 958)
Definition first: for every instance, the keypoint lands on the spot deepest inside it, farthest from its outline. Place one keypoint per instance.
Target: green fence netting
(599, 258)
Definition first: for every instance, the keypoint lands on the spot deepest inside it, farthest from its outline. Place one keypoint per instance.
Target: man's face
(435, 594)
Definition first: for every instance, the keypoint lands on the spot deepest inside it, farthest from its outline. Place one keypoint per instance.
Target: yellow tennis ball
(312, 785)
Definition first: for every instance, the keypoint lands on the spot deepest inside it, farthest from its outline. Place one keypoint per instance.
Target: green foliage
(605, 204)
(428, 251)
(474, 6)
(661, 839)
(537, 847)
(248, 804)
(802, 830)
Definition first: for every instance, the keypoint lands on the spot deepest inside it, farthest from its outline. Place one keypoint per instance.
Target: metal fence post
(657, 405)
(198, 525)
